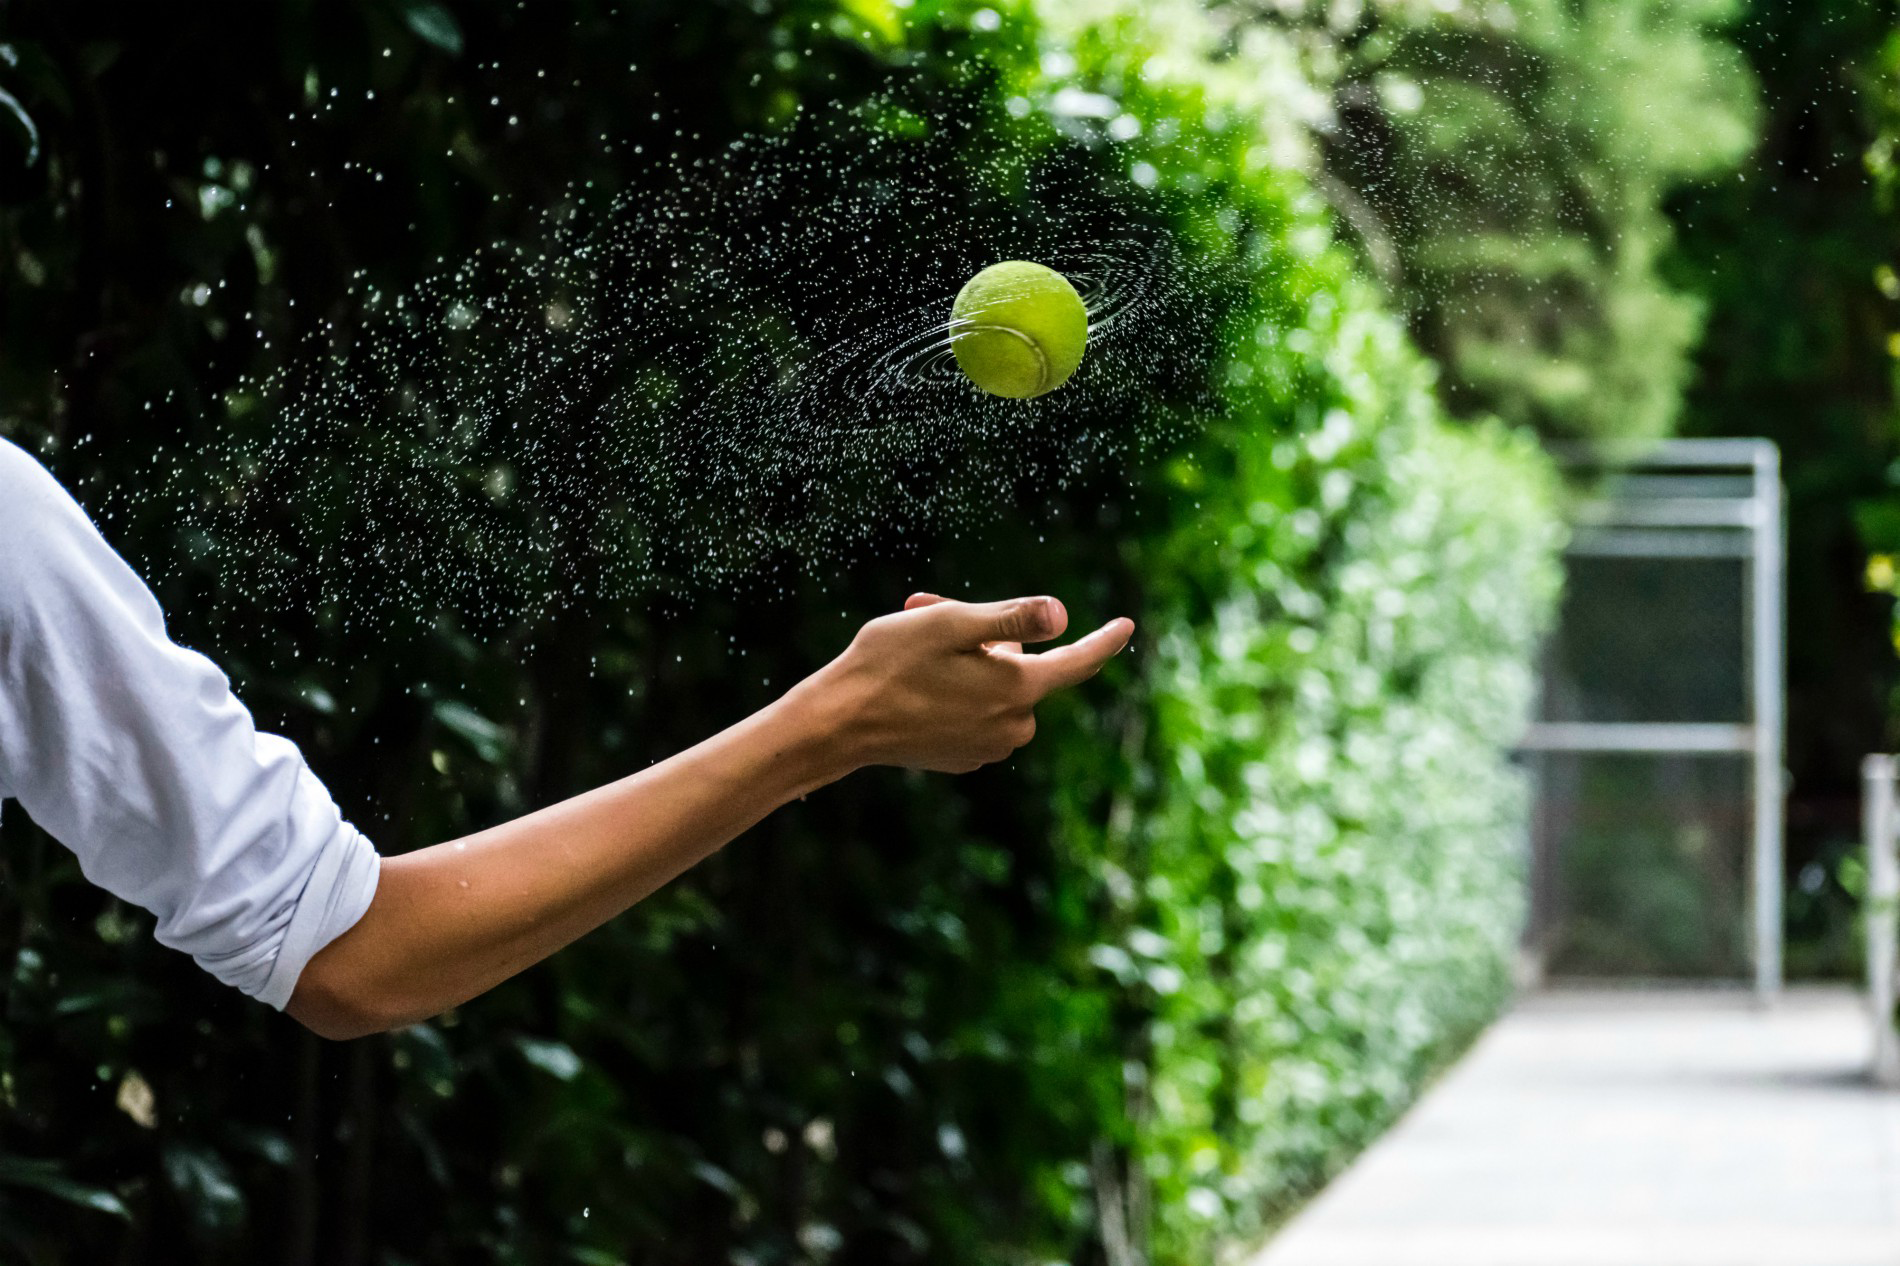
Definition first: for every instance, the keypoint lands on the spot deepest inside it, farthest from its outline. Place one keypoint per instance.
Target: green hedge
(1140, 989)
(1313, 848)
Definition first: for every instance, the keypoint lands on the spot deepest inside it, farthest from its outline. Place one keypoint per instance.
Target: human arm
(941, 685)
(134, 753)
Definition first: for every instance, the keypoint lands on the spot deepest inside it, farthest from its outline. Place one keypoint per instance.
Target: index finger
(1080, 660)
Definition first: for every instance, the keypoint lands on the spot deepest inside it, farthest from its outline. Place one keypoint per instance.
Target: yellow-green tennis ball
(1018, 329)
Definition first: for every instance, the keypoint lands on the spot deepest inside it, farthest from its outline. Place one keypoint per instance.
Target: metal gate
(1657, 746)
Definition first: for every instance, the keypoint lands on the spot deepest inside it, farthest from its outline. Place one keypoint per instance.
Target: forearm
(455, 919)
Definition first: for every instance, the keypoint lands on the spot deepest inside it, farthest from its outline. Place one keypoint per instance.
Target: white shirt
(132, 752)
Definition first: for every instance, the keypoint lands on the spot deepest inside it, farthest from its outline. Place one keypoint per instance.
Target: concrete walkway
(1632, 1129)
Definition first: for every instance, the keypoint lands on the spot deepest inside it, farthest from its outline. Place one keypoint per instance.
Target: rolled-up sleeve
(133, 752)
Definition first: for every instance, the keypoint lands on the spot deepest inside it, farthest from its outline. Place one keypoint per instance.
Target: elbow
(339, 1028)
(337, 1016)
(339, 1007)
(339, 1024)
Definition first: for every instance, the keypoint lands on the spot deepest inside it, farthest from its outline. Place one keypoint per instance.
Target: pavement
(1632, 1128)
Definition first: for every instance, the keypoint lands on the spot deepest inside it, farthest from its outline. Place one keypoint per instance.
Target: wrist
(819, 715)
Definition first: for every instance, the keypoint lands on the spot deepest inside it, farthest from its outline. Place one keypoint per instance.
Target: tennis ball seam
(1043, 370)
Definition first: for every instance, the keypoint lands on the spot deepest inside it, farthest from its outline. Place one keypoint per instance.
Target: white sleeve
(132, 752)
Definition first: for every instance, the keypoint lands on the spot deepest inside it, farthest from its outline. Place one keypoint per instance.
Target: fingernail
(1042, 611)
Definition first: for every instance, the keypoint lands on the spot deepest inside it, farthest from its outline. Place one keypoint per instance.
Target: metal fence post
(1766, 687)
(1883, 911)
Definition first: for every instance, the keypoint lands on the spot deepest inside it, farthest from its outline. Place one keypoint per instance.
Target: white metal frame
(1688, 523)
(1882, 904)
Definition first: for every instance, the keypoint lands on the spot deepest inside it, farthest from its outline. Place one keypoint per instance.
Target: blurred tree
(1506, 168)
(1795, 259)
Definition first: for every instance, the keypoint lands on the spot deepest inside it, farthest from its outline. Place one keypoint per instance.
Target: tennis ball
(1018, 329)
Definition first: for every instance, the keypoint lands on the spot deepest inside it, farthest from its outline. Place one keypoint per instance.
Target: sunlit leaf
(556, 1059)
(490, 741)
(204, 1182)
(435, 24)
(45, 1176)
(10, 105)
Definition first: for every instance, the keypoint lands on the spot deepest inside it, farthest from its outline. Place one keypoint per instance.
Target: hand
(945, 685)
